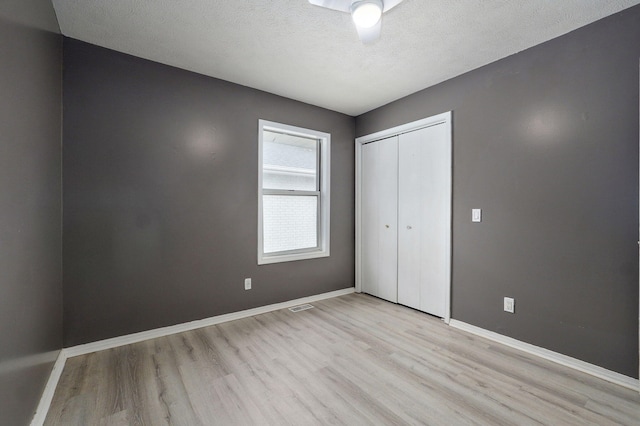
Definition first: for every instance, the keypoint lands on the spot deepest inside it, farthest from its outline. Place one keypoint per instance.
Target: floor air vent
(301, 308)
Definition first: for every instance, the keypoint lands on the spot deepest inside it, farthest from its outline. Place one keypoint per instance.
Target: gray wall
(160, 196)
(546, 143)
(30, 203)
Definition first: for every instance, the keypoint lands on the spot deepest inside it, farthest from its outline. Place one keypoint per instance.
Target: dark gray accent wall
(30, 204)
(160, 196)
(546, 143)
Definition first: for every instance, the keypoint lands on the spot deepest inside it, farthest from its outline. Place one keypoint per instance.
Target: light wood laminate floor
(353, 360)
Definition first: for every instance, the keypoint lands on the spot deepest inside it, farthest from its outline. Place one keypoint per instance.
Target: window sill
(265, 260)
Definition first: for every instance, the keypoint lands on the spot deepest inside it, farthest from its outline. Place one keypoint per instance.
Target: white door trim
(444, 118)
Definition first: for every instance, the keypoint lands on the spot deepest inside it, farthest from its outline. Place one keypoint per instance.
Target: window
(293, 182)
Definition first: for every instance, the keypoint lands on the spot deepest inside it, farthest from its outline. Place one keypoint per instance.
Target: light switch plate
(476, 215)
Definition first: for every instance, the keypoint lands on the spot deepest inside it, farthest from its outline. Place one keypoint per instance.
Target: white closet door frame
(444, 118)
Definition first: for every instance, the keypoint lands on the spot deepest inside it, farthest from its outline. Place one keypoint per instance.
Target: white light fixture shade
(366, 13)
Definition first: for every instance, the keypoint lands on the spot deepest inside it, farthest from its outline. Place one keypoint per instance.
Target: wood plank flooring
(352, 360)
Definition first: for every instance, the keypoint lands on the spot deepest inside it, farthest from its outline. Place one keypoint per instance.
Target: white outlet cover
(509, 304)
(247, 283)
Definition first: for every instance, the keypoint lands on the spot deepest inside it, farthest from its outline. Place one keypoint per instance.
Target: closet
(404, 215)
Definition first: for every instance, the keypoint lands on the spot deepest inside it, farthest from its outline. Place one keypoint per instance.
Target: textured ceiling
(311, 54)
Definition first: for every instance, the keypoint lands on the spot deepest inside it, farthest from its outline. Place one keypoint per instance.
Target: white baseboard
(56, 372)
(58, 367)
(567, 361)
(115, 342)
(49, 390)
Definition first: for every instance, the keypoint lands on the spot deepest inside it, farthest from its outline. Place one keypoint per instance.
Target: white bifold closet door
(379, 218)
(424, 219)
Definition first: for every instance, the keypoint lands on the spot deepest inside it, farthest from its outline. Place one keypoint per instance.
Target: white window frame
(323, 227)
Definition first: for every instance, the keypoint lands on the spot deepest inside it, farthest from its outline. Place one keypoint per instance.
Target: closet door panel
(409, 229)
(435, 211)
(379, 218)
(370, 219)
(424, 219)
(387, 184)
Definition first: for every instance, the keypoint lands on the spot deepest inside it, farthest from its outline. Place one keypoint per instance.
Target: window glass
(289, 162)
(290, 222)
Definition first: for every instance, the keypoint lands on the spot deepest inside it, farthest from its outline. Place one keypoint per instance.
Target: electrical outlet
(509, 304)
(247, 283)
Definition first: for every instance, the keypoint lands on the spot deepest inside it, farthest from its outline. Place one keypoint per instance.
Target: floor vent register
(301, 308)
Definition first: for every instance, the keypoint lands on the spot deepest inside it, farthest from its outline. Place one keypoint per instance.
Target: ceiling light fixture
(366, 13)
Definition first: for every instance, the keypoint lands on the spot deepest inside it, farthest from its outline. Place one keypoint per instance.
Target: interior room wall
(30, 204)
(545, 142)
(160, 196)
